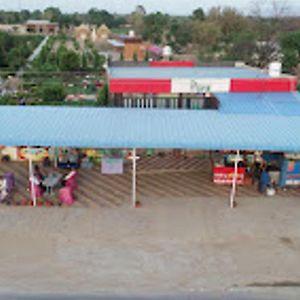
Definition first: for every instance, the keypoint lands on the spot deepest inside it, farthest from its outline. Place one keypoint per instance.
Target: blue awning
(148, 128)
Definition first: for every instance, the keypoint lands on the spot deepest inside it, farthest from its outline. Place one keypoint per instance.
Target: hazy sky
(179, 7)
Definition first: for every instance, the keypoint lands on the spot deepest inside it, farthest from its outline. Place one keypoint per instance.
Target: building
(82, 32)
(173, 84)
(43, 27)
(12, 28)
(103, 33)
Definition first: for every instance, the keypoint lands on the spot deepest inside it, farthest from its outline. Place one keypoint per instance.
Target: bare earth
(167, 245)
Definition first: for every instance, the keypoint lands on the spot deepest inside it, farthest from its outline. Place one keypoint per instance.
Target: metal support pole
(134, 177)
(235, 177)
(33, 196)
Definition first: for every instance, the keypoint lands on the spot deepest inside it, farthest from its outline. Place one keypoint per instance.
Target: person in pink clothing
(70, 180)
(65, 195)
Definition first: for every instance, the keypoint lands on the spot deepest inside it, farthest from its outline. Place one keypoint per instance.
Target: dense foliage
(216, 35)
(52, 92)
(93, 16)
(66, 59)
(14, 50)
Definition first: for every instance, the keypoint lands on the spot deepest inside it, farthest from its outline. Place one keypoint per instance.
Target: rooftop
(268, 123)
(185, 72)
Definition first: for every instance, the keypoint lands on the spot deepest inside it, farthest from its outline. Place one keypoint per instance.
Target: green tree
(99, 60)
(156, 24)
(69, 60)
(84, 62)
(243, 46)
(198, 14)
(52, 14)
(290, 45)
(137, 22)
(15, 58)
(206, 35)
(53, 92)
(103, 96)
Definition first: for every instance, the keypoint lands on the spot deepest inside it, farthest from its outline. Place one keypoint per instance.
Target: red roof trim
(264, 85)
(140, 85)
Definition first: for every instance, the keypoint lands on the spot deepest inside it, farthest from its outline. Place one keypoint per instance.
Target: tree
(98, 17)
(243, 46)
(140, 9)
(155, 27)
(137, 22)
(230, 21)
(198, 14)
(180, 33)
(53, 92)
(206, 34)
(290, 45)
(52, 14)
(84, 62)
(69, 60)
(103, 96)
(99, 60)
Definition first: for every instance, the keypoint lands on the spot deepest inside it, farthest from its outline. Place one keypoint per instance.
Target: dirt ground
(167, 245)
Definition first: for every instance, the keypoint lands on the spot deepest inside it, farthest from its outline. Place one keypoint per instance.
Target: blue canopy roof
(184, 72)
(285, 104)
(229, 128)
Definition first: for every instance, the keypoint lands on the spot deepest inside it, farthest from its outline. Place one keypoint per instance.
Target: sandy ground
(167, 245)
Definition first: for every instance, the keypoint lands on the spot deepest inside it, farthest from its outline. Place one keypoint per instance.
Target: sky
(174, 7)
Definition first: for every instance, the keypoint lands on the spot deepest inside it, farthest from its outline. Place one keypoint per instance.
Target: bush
(53, 92)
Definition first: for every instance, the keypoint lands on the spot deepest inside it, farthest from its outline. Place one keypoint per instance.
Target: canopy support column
(134, 177)
(234, 181)
(31, 179)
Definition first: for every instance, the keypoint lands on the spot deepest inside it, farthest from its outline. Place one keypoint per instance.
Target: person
(264, 180)
(38, 174)
(65, 195)
(38, 178)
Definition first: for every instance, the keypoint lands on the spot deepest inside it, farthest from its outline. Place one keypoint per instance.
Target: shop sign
(224, 175)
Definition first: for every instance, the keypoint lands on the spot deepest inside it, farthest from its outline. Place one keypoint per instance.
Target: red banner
(225, 175)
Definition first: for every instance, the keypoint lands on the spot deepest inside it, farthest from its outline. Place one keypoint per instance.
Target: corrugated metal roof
(179, 72)
(116, 43)
(285, 104)
(147, 128)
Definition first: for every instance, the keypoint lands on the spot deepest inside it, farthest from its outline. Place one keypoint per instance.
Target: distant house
(82, 32)
(12, 28)
(43, 27)
(103, 33)
(134, 47)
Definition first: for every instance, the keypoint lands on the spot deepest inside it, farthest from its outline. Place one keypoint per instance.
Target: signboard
(36, 154)
(22, 153)
(200, 85)
(293, 173)
(225, 175)
(111, 165)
